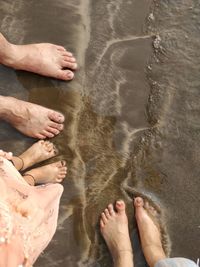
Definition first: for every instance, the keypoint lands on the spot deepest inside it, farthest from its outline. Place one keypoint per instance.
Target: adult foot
(51, 173)
(38, 152)
(45, 59)
(31, 119)
(149, 231)
(114, 228)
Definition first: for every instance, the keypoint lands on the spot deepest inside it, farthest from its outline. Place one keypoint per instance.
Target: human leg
(114, 228)
(149, 232)
(45, 59)
(31, 119)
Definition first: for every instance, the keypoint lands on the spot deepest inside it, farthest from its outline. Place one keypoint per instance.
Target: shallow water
(132, 114)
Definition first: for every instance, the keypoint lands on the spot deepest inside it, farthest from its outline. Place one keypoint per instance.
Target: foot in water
(51, 173)
(150, 235)
(114, 228)
(31, 119)
(45, 59)
(38, 152)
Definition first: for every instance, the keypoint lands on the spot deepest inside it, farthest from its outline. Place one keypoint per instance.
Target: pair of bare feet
(114, 228)
(38, 152)
(45, 59)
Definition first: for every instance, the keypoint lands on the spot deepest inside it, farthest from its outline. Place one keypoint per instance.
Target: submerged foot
(149, 231)
(38, 152)
(31, 119)
(45, 59)
(51, 173)
(114, 228)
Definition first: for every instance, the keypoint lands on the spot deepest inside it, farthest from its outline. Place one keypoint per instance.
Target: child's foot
(44, 58)
(38, 152)
(114, 228)
(51, 173)
(149, 232)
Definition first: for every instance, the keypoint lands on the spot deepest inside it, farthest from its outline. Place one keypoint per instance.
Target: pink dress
(28, 217)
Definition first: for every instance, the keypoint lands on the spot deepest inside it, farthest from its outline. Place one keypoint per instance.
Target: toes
(62, 166)
(9, 155)
(106, 212)
(67, 54)
(56, 117)
(61, 177)
(69, 65)
(61, 48)
(65, 75)
(59, 180)
(49, 146)
(63, 162)
(103, 217)
(53, 130)
(55, 150)
(120, 206)
(138, 202)
(69, 59)
(57, 126)
(40, 136)
(47, 134)
(111, 209)
(102, 223)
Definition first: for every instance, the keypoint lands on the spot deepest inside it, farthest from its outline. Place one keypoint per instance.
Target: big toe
(138, 202)
(120, 206)
(65, 75)
(56, 117)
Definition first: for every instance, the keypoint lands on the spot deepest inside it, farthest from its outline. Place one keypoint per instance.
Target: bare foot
(31, 119)
(38, 152)
(45, 59)
(6, 155)
(114, 228)
(149, 232)
(51, 173)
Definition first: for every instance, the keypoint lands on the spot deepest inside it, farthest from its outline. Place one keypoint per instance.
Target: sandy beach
(132, 116)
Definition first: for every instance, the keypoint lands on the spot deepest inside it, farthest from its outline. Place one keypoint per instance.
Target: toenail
(63, 162)
(70, 75)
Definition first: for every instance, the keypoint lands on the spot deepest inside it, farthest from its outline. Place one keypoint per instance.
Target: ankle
(123, 258)
(153, 254)
(6, 51)
(29, 178)
(5, 106)
(18, 162)
(27, 161)
(10, 109)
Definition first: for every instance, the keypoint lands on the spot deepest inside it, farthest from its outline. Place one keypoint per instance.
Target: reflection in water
(125, 122)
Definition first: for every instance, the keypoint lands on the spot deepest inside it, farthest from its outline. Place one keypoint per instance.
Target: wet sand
(132, 124)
